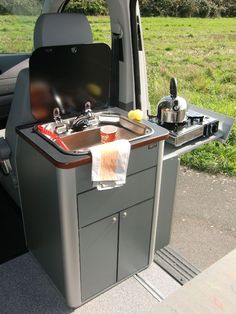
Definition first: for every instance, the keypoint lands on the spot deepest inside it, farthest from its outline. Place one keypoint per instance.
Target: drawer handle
(114, 220)
(124, 215)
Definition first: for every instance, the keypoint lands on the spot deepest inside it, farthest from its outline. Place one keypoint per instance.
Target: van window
(97, 13)
(17, 20)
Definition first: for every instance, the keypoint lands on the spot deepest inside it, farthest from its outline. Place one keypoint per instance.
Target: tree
(20, 7)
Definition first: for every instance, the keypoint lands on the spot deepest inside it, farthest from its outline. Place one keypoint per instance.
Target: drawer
(140, 159)
(95, 205)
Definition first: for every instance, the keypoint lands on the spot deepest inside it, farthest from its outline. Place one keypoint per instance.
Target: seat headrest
(56, 29)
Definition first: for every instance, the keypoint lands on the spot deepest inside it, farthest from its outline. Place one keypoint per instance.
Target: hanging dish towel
(109, 164)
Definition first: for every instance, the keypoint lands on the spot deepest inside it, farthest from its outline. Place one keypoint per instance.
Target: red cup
(108, 133)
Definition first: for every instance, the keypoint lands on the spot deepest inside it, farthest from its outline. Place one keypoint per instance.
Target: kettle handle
(173, 87)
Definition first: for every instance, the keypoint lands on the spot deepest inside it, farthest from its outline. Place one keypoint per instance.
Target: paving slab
(211, 292)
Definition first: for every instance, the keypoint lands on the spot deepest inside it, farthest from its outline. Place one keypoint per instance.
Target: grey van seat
(53, 29)
(20, 113)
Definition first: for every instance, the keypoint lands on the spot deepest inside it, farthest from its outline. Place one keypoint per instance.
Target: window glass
(97, 13)
(17, 20)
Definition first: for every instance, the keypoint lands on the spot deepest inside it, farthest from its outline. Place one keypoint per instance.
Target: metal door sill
(175, 265)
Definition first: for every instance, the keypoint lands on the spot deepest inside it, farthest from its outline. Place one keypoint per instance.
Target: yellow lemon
(131, 114)
(138, 115)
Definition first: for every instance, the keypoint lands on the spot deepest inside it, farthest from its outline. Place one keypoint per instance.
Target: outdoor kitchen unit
(86, 240)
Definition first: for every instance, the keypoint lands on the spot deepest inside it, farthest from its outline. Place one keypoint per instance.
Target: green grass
(201, 53)
(16, 33)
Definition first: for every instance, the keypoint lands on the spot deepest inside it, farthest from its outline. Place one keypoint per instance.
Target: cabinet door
(134, 238)
(98, 256)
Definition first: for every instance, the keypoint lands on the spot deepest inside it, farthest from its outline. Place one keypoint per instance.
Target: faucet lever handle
(87, 106)
(57, 115)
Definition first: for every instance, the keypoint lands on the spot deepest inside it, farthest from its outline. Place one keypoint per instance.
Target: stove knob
(191, 120)
(215, 127)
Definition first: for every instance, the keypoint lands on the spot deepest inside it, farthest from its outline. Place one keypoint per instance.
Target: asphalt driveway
(204, 221)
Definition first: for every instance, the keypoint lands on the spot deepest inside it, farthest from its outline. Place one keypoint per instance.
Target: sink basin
(80, 142)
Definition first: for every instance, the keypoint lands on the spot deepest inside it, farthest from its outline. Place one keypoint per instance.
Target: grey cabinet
(98, 258)
(114, 248)
(134, 238)
(115, 226)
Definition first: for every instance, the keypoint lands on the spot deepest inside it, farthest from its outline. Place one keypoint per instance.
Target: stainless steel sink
(80, 142)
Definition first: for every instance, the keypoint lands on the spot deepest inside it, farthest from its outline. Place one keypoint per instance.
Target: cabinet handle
(114, 220)
(124, 215)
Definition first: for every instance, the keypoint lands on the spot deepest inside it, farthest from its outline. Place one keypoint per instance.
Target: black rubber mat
(12, 240)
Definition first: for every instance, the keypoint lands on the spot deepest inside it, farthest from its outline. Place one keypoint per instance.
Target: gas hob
(197, 125)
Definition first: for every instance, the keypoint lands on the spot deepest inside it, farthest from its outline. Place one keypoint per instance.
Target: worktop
(66, 161)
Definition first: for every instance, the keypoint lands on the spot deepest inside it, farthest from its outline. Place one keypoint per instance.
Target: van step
(175, 265)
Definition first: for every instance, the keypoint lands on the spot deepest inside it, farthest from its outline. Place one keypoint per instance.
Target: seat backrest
(55, 29)
(20, 112)
(52, 29)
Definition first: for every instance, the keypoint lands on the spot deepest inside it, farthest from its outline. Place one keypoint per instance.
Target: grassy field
(201, 53)
(16, 33)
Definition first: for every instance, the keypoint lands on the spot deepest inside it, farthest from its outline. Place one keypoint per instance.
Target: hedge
(20, 7)
(177, 8)
(188, 8)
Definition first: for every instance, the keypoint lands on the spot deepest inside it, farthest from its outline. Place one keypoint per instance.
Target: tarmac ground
(204, 219)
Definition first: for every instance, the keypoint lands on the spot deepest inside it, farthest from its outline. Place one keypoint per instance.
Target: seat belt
(116, 57)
